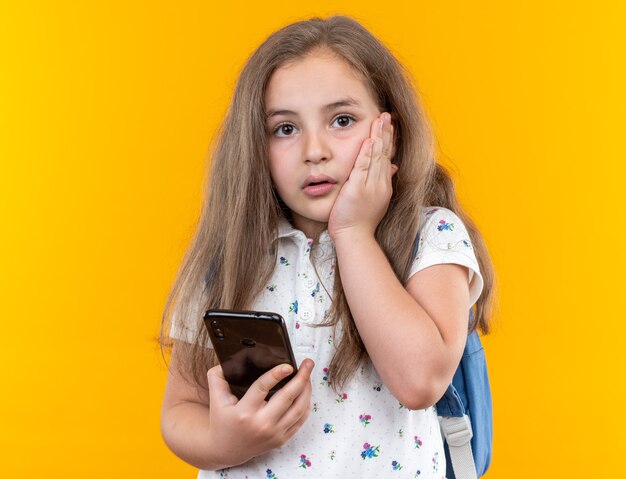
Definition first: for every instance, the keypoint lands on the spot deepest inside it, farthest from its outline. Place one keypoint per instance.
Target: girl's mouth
(318, 185)
(319, 189)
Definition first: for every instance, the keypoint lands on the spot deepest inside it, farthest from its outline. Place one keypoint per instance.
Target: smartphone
(248, 344)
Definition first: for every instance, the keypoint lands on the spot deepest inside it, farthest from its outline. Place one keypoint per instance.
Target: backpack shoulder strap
(456, 428)
(458, 434)
(465, 415)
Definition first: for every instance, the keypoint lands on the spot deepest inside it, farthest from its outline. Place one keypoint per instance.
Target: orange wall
(106, 112)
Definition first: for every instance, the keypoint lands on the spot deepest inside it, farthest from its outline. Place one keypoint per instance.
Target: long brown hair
(231, 256)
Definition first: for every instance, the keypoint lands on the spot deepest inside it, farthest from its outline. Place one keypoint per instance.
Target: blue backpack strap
(470, 395)
(468, 399)
(475, 378)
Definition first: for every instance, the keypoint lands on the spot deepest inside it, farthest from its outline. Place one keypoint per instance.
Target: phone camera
(217, 330)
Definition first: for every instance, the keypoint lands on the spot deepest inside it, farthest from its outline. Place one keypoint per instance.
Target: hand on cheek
(364, 197)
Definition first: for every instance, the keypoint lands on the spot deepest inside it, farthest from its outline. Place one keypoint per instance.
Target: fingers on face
(382, 129)
(383, 145)
(388, 147)
(373, 160)
(387, 139)
(364, 158)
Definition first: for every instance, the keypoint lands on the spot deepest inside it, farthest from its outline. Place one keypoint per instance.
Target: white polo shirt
(362, 432)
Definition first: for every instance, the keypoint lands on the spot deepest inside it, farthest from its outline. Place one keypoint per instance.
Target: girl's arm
(415, 335)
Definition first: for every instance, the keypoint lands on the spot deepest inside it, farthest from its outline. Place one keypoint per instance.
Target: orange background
(106, 112)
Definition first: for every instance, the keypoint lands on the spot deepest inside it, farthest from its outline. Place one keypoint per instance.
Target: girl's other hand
(364, 197)
(252, 426)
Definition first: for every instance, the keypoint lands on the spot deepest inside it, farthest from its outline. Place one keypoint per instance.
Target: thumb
(260, 388)
(219, 390)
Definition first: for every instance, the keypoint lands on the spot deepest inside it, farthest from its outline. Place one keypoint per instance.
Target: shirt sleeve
(443, 238)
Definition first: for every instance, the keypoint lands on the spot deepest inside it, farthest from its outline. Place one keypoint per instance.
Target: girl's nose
(316, 147)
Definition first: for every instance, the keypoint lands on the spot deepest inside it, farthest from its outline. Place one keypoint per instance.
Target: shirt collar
(285, 229)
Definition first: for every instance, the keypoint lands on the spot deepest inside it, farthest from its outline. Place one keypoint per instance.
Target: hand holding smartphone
(247, 344)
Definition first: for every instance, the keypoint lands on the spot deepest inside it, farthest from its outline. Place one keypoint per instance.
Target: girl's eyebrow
(347, 101)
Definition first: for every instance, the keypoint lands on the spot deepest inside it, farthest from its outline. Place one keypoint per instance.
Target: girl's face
(319, 112)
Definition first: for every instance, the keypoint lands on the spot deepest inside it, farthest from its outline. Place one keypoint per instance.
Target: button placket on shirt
(305, 334)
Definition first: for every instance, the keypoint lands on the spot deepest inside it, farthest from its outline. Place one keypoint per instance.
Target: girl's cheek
(355, 146)
(347, 156)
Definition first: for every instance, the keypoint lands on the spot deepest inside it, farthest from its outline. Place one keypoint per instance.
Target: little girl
(323, 175)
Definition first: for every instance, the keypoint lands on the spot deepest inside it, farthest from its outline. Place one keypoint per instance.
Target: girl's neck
(312, 229)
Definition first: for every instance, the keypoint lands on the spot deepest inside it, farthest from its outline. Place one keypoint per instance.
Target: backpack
(465, 415)
(465, 412)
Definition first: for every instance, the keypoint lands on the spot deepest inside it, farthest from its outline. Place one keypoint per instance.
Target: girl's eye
(286, 128)
(344, 120)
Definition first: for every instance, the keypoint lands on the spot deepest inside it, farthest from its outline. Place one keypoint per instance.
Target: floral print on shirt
(293, 307)
(305, 462)
(369, 451)
(325, 380)
(365, 419)
(445, 226)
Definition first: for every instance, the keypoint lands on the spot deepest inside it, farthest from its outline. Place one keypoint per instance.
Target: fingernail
(386, 117)
(286, 369)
